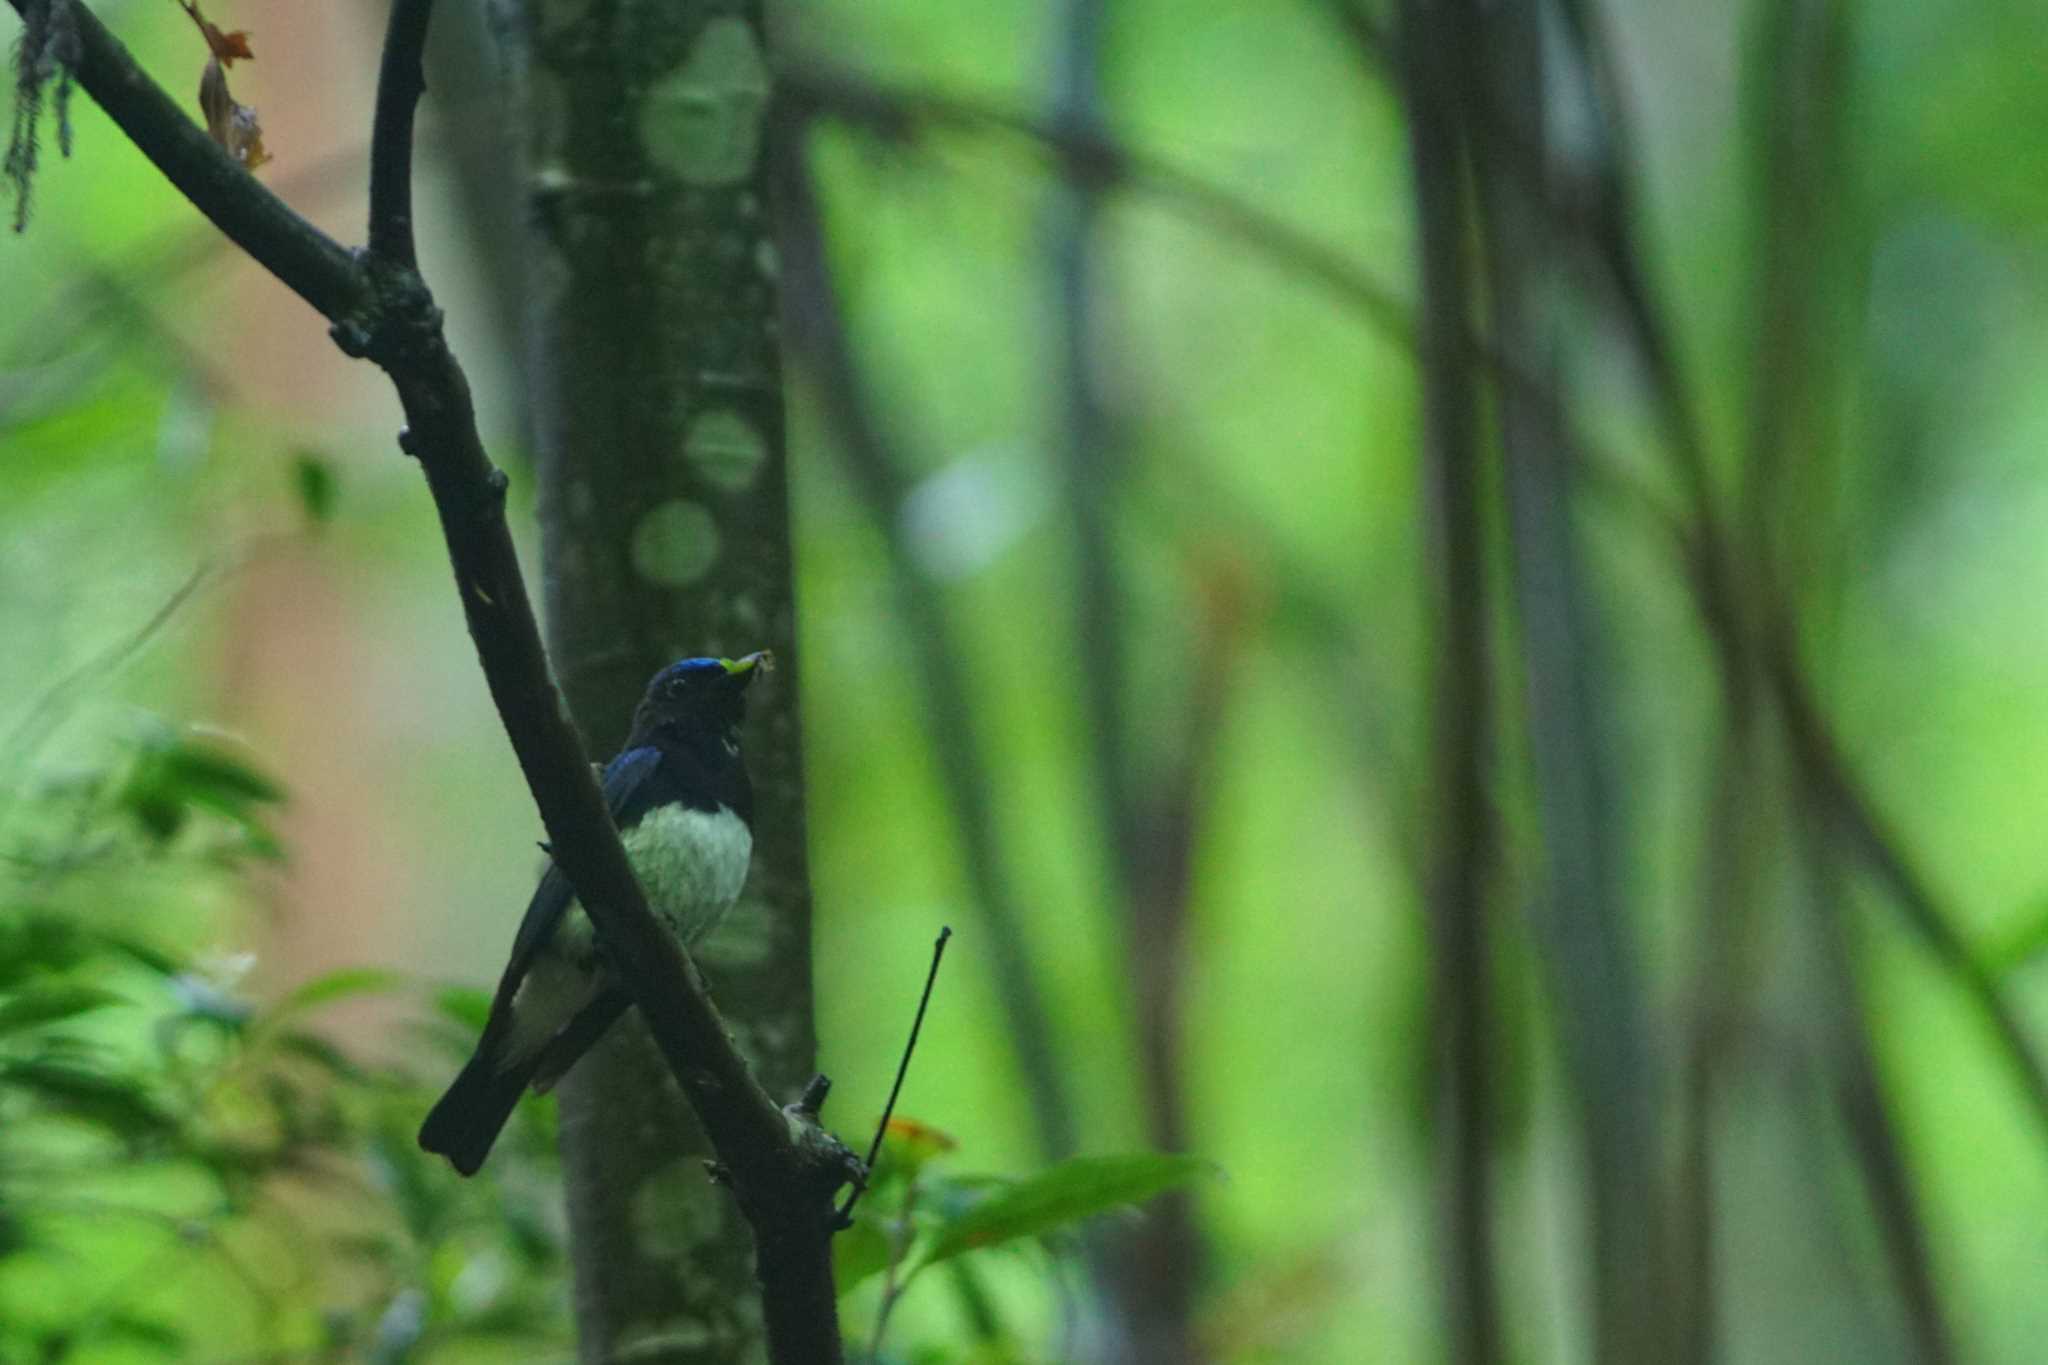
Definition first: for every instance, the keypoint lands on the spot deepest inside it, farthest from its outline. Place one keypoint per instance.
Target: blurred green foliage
(185, 1169)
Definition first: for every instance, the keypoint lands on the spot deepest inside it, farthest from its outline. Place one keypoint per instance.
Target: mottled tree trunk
(654, 375)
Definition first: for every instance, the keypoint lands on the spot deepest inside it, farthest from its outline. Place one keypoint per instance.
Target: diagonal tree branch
(782, 1167)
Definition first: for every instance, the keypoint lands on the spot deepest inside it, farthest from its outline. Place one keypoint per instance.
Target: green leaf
(33, 942)
(339, 985)
(136, 1330)
(1066, 1194)
(117, 1104)
(176, 774)
(314, 481)
(51, 1003)
(143, 954)
(321, 1053)
(213, 777)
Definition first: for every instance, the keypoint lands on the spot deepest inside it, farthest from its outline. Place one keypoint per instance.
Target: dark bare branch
(1465, 841)
(400, 83)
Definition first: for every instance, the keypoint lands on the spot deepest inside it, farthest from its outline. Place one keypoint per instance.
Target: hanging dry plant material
(226, 46)
(233, 125)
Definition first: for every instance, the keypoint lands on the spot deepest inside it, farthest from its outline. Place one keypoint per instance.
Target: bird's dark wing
(630, 787)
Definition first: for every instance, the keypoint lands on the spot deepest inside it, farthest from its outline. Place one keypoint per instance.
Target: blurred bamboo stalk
(1542, 220)
(1721, 987)
(1465, 839)
(1150, 1272)
(1751, 613)
(1581, 924)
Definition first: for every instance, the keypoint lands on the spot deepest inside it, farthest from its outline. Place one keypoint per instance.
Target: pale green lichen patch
(725, 449)
(703, 122)
(675, 544)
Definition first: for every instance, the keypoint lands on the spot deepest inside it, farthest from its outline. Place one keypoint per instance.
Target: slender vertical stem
(401, 81)
(1464, 837)
(1578, 917)
(1152, 1270)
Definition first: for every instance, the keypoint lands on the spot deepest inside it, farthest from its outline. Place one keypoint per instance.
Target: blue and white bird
(680, 797)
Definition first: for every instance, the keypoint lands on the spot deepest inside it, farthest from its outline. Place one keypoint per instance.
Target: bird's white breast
(691, 863)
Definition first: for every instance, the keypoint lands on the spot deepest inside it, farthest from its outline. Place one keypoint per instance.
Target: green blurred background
(166, 412)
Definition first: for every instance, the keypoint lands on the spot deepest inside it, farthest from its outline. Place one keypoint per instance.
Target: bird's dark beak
(742, 670)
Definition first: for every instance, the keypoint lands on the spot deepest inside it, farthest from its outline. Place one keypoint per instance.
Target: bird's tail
(466, 1121)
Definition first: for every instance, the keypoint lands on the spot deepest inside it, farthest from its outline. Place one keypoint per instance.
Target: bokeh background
(206, 530)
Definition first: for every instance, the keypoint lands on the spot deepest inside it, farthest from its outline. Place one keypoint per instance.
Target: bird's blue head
(696, 696)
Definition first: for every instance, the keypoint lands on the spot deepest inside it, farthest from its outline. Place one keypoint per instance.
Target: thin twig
(845, 1215)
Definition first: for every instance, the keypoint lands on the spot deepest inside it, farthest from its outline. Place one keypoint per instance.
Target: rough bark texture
(654, 372)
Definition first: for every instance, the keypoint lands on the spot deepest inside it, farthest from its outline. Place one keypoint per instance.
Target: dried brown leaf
(234, 126)
(226, 47)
